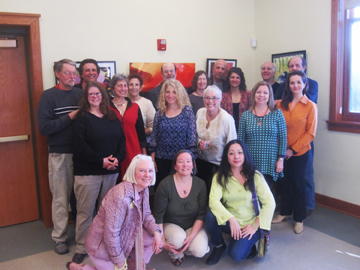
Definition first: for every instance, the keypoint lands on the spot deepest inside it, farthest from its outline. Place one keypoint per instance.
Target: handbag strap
(256, 206)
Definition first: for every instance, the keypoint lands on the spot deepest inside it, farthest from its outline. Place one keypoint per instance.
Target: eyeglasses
(95, 94)
(211, 98)
(68, 73)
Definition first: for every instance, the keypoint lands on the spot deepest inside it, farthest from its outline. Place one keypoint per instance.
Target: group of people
(211, 146)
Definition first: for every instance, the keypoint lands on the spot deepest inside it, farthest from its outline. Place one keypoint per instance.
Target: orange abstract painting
(151, 73)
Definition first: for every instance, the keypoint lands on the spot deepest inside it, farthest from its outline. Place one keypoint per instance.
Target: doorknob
(14, 138)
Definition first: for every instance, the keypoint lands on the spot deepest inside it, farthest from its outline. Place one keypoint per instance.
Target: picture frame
(281, 60)
(107, 70)
(210, 62)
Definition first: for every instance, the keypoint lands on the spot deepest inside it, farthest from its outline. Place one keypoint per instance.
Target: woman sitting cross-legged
(180, 208)
(231, 207)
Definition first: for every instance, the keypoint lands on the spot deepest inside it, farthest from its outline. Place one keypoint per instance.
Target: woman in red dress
(130, 116)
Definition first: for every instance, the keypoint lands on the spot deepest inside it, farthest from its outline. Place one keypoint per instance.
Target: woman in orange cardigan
(301, 121)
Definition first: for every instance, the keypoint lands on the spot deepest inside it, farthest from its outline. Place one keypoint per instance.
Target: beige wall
(126, 31)
(293, 25)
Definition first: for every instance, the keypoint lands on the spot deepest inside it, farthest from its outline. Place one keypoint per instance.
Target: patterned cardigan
(112, 234)
(245, 102)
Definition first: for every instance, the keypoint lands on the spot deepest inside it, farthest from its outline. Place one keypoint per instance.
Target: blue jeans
(309, 180)
(238, 249)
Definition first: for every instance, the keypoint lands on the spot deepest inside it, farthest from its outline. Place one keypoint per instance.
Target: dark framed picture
(281, 60)
(210, 62)
(107, 70)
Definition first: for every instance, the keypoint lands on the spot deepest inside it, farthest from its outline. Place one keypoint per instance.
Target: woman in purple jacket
(124, 234)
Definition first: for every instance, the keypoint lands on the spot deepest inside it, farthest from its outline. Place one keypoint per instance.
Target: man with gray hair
(268, 71)
(57, 109)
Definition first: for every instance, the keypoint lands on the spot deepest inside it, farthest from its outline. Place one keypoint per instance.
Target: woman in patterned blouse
(235, 99)
(263, 129)
(174, 128)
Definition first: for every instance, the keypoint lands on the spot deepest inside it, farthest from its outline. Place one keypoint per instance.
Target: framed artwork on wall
(281, 60)
(151, 73)
(210, 62)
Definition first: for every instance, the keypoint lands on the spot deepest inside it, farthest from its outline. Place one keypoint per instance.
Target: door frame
(30, 22)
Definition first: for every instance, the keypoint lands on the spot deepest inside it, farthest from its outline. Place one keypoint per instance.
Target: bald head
(268, 70)
(168, 71)
(219, 70)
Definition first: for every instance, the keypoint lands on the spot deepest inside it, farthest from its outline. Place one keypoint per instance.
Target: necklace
(119, 105)
(120, 108)
(260, 118)
(180, 185)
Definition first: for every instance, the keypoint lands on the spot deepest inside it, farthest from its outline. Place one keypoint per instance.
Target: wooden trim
(337, 121)
(31, 22)
(338, 205)
(344, 126)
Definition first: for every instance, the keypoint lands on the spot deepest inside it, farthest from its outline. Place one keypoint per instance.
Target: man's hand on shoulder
(73, 114)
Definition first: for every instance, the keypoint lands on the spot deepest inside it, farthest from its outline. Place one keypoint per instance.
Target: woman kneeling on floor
(231, 207)
(180, 208)
(124, 234)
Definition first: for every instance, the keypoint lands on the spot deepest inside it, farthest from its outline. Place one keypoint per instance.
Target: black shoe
(253, 252)
(215, 255)
(61, 247)
(78, 258)
(308, 212)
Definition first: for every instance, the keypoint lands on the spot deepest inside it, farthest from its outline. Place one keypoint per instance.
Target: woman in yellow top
(300, 115)
(231, 207)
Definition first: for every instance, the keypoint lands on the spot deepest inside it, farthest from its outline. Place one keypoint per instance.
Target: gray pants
(61, 180)
(89, 191)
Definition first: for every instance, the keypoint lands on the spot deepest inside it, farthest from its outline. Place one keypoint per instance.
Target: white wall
(291, 25)
(126, 31)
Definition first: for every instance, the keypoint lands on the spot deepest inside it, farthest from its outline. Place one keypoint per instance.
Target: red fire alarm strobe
(161, 44)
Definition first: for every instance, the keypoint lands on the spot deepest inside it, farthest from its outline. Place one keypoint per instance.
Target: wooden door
(18, 191)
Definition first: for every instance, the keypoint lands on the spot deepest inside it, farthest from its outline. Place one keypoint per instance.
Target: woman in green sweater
(180, 208)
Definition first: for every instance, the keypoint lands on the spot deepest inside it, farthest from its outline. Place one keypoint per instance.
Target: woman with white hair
(215, 128)
(124, 234)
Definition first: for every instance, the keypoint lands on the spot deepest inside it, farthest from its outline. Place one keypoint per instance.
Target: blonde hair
(130, 172)
(270, 102)
(181, 95)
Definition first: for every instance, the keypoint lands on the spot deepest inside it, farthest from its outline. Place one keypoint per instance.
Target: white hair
(130, 172)
(215, 89)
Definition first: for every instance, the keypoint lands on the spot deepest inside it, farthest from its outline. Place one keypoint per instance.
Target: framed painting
(281, 60)
(210, 62)
(151, 73)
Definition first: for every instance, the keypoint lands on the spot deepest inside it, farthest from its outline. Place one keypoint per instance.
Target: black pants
(293, 187)
(164, 168)
(206, 171)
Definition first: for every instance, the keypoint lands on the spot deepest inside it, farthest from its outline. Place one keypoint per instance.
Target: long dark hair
(104, 104)
(288, 95)
(239, 72)
(249, 167)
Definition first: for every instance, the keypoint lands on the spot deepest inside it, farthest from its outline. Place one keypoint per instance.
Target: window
(345, 68)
